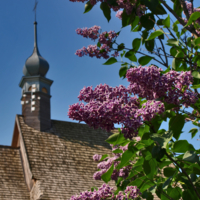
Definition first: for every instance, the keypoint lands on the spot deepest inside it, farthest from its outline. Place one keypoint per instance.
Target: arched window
(44, 90)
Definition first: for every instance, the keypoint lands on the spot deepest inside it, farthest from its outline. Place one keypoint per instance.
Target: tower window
(44, 90)
(30, 89)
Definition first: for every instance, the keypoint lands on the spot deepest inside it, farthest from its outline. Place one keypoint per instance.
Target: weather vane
(35, 8)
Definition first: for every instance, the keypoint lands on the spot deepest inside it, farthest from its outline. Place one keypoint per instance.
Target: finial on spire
(35, 8)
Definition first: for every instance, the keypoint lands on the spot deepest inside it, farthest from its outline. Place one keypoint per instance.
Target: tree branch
(183, 170)
(191, 28)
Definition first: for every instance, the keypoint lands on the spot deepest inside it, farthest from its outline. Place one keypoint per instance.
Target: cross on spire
(35, 8)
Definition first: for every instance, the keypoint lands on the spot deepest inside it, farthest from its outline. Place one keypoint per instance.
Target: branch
(191, 28)
(164, 51)
(183, 170)
(184, 9)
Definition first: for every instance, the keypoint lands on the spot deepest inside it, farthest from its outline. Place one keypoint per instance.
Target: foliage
(158, 163)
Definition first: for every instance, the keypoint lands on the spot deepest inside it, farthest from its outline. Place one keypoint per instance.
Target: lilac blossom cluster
(107, 106)
(131, 192)
(106, 192)
(105, 40)
(92, 32)
(94, 51)
(104, 165)
(172, 87)
(119, 14)
(190, 11)
(128, 5)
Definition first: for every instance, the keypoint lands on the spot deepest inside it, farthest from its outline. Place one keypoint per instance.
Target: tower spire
(35, 8)
(35, 28)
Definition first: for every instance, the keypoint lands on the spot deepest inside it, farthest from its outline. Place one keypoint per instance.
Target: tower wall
(40, 117)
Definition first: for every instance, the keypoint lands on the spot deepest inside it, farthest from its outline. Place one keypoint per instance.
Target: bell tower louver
(35, 86)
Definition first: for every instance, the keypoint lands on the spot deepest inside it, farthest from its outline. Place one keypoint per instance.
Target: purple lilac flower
(97, 157)
(119, 14)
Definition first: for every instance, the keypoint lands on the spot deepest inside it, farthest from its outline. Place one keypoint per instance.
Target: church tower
(35, 86)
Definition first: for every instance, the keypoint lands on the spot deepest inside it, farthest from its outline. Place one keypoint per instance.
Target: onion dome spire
(35, 64)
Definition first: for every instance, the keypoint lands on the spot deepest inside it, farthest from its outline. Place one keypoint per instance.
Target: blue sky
(57, 22)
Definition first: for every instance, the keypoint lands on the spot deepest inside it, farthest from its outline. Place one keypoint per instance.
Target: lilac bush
(106, 192)
(159, 162)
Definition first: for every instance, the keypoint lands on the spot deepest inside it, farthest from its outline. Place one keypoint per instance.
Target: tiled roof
(12, 184)
(61, 158)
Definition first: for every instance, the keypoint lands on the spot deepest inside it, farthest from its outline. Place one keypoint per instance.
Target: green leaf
(103, 157)
(177, 8)
(149, 44)
(136, 44)
(126, 156)
(117, 151)
(160, 10)
(147, 21)
(138, 181)
(197, 41)
(169, 171)
(122, 71)
(127, 19)
(174, 193)
(160, 22)
(131, 55)
(194, 16)
(176, 124)
(106, 10)
(143, 129)
(175, 27)
(110, 61)
(88, 7)
(146, 185)
(193, 131)
(191, 156)
(113, 138)
(134, 171)
(154, 6)
(173, 42)
(163, 139)
(196, 86)
(149, 167)
(144, 60)
(178, 60)
(121, 47)
(135, 22)
(196, 74)
(167, 182)
(166, 22)
(107, 176)
(181, 146)
(155, 34)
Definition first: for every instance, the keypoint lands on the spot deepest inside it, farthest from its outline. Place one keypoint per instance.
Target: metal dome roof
(35, 64)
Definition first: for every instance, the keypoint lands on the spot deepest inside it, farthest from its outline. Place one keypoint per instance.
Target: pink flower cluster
(94, 51)
(173, 87)
(107, 105)
(105, 39)
(92, 32)
(106, 192)
(104, 165)
(128, 5)
(131, 192)
(119, 14)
